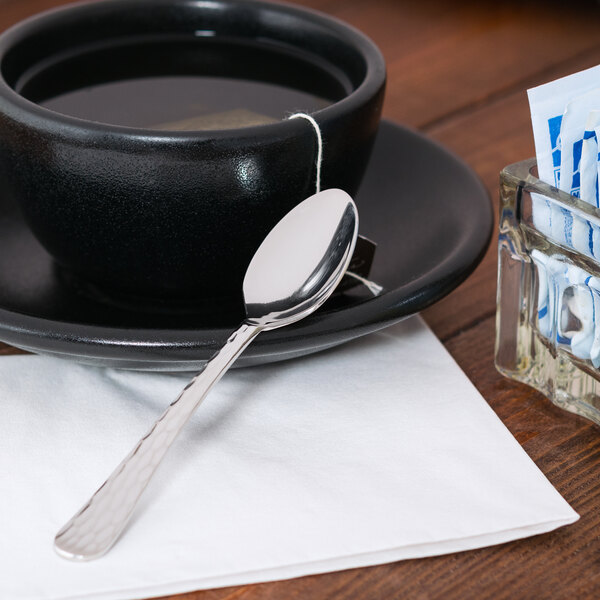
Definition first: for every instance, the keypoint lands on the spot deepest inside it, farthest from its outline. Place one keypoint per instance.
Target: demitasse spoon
(293, 272)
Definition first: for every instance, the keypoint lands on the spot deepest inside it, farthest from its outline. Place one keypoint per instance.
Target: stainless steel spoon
(293, 272)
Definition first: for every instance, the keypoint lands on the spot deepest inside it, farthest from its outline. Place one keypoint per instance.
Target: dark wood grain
(459, 71)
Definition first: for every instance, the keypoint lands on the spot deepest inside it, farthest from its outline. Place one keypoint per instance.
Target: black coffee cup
(166, 214)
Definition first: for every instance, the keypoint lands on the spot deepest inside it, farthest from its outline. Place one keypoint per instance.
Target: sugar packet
(588, 166)
(566, 125)
(564, 288)
(573, 127)
(562, 114)
(548, 103)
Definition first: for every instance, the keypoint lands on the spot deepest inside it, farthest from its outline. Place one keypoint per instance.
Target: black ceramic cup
(176, 215)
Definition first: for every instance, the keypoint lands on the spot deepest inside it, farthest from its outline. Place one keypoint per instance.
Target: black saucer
(428, 212)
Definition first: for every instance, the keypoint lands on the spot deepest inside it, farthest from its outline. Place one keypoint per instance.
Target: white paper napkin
(377, 451)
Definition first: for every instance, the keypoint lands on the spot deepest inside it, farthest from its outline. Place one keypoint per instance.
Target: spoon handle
(96, 527)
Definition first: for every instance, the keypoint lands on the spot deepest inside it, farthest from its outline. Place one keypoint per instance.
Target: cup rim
(46, 119)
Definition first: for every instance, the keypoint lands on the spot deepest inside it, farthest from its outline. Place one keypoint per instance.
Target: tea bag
(229, 119)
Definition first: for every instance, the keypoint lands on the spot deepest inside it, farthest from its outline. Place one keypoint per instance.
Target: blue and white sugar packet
(566, 126)
(579, 167)
(564, 288)
(563, 118)
(588, 166)
(573, 129)
(548, 104)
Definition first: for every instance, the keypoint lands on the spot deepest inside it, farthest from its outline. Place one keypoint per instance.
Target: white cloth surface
(376, 451)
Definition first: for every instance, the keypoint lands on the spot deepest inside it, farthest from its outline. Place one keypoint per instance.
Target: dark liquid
(184, 103)
(183, 83)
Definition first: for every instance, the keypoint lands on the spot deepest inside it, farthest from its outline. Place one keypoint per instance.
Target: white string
(373, 287)
(319, 144)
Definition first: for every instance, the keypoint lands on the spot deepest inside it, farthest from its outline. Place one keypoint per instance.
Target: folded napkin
(377, 451)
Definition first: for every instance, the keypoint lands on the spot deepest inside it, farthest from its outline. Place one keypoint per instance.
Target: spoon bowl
(282, 287)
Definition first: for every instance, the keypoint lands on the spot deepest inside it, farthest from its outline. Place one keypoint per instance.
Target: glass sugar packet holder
(548, 303)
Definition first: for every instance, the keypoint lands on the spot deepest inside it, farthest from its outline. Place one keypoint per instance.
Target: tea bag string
(373, 287)
(317, 129)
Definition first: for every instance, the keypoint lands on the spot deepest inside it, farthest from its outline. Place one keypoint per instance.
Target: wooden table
(458, 71)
